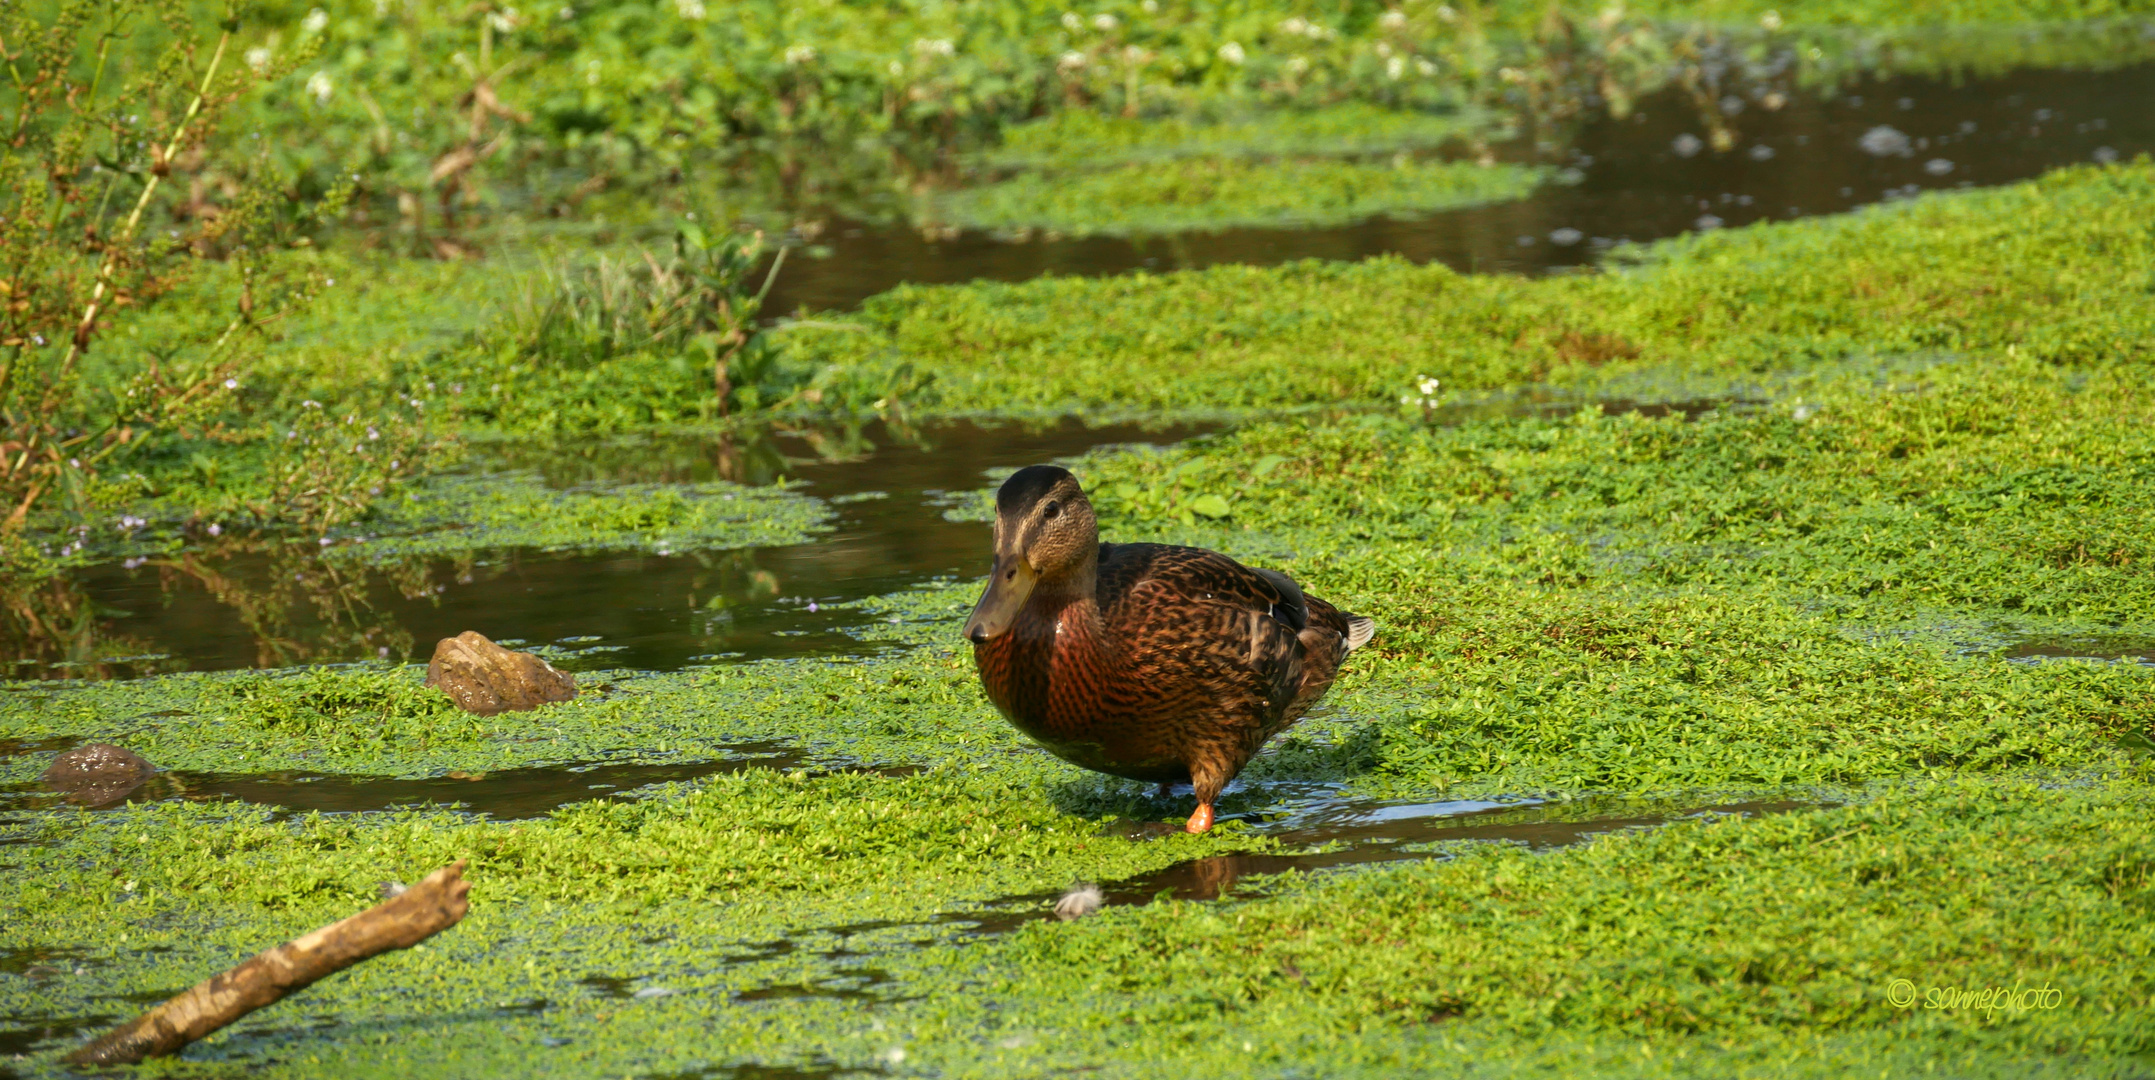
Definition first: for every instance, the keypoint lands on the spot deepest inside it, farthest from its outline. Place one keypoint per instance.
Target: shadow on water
(1646, 177)
(1351, 833)
(757, 1071)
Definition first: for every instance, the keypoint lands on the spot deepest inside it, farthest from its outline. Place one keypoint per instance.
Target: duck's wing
(1164, 577)
(1202, 633)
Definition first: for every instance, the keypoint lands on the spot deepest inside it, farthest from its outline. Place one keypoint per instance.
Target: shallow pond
(619, 609)
(1644, 178)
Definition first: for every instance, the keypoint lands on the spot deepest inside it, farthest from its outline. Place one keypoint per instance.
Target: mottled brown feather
(1179, 665)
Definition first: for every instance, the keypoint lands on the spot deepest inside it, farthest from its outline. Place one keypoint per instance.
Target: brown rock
(99, 774)
(484, 678)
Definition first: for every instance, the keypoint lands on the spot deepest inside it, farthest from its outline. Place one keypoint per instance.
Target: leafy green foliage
(343, 710)
(1217, 194)
(1947, 886)
(463, 514)
(1082, 139)
(2054, 269)
(84, 204)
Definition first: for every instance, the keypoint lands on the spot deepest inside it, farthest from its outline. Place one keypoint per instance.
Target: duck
(1152, 662)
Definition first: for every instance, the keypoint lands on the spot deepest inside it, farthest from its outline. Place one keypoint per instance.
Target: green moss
(326, 709)
(1944, 886)
(454, 515)
(820, 921)
(2054, 269)
(1080, 139)
(1192, 194)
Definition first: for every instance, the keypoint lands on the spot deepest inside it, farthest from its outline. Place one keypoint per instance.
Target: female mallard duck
(1146, 661)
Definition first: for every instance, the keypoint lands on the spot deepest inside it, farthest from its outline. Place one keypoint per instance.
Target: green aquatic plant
(1199, 193)
(2049, 268)
(325, 709)
(1077, 139)
(697, 298)
(461, 514)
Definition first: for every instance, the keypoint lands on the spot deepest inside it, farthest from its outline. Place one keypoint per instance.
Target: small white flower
(74, 463)
(1232, 53)
(504, 20)
(1393, 20)
(373, 433)
(1426, 385)
(935, 47)
(310, 404)
(1070, 61)
(800, 54)
(1770, 20)
(1445, 12)
(1152, 7)
(315, 21)
(1395, 67)
(897, 68)
(216, 529)
(231, 384)
(1105, 21)
(258, 59)
(1424, 66)
(1294, 25)
(1072, 23)
(321, 87)
(1298, 65)
(689, 9)
(326, 541)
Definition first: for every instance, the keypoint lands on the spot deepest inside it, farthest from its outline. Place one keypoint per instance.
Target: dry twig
(420, 912)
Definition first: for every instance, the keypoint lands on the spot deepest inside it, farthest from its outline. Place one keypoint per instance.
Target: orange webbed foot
(1200, 821)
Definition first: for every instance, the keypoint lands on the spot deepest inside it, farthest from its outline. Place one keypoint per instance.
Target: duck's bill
(1008, 589)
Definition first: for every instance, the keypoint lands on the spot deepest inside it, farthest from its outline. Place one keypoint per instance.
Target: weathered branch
(420, 912)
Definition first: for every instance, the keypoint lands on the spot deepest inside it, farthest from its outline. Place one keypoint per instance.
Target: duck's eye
(1051, 509)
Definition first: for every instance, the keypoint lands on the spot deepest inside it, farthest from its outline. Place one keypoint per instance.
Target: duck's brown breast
(1057, 682)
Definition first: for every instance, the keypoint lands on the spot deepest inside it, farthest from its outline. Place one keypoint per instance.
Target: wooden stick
(420, 912)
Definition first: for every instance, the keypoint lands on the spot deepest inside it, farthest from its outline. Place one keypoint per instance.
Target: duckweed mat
(1933, 444)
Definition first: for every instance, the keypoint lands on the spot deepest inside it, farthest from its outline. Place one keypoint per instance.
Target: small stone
(483, 678)
(99, 774)
(1082, 900)
(649, 992)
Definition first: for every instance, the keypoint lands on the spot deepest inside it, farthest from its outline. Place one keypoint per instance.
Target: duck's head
(1044, 533)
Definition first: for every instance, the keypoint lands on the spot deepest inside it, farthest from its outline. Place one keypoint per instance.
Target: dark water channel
(1361, 832)
(505, 794)
(1643, 178)
(624, 609)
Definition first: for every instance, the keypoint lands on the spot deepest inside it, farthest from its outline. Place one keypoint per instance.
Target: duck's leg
(1167, 790)
(1206, 782)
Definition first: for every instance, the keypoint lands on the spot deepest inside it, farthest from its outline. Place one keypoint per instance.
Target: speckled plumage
(1176, 664)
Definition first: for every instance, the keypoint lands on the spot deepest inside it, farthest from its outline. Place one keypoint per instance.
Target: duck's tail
(1361, 630)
